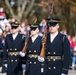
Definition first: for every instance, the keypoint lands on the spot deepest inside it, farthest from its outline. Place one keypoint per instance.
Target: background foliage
(29, 10)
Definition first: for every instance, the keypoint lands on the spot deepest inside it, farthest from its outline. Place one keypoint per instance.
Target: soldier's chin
(32, 35)
(13, 32)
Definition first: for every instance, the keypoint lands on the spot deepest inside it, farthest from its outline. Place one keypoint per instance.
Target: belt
(13, 53)
(32, 55)
(54, 57)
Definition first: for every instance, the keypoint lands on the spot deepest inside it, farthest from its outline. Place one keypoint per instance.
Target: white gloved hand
(22, 54)
(63, 74)
(5, 65)
(24, 66)
(41, 59)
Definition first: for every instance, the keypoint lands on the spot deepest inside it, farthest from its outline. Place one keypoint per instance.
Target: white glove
(24, 66)
(5, 65)
(63, 74)
(22, 54)
(41, 59)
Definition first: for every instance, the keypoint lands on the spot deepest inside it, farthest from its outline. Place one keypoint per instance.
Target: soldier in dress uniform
(33, 51)
(14, 43)
(57, 52)
(1, 47)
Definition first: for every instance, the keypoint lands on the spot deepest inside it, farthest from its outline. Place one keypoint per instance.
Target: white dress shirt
(14, 36)
(33, 38)
(53, 36)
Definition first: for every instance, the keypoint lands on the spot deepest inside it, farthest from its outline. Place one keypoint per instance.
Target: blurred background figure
(7, 30)
(3, 20)
(72, 44)
(24, 29)
(2, 14)
(64, 32)
(74, 54)
(42, 27)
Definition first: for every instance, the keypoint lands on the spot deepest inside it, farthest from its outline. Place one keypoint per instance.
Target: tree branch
(19, 8)
(24, 5)
(9, 7)
(29, 8)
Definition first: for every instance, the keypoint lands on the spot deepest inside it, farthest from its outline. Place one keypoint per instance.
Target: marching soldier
(34, 52)
(14, 43)
(1, 48)
(57, 50)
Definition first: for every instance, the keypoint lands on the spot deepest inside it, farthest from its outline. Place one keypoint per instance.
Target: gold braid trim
(64, 69)
(5, 60)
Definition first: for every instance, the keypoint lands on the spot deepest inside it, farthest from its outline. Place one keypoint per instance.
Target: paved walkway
(72, 72)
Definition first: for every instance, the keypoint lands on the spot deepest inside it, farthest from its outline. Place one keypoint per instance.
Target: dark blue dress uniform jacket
(59, 47)
(1, 48)
(33, 66)
(12, 57)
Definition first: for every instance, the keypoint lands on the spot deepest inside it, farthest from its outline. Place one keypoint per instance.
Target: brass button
(54, 67)
(35, 57)
(48, 59)
(15, 54)
(15, 49)
(35, 51)
(10, 48)
(49, 68)
(15, 60)
(53, 59)
(30, 62)
(11, 54)
(29, 50)
(11, 60)
(34, 62)
(54, 52)
(48, 52)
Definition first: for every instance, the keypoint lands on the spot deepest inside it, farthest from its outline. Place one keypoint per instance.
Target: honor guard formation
(35, 49)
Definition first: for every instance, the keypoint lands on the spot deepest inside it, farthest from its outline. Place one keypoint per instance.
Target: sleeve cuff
(64, 70)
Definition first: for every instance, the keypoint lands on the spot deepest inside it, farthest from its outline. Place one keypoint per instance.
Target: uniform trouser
(71, 57)
(19, 73)
(1, 59)
(73, 60)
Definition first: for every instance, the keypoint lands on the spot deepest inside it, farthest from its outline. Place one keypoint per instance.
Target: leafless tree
(23, 8)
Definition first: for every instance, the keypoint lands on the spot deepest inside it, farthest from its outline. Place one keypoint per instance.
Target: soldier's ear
(37, 29)
(18, 28)
(58, 26)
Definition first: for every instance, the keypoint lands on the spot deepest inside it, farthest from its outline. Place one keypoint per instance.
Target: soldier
(33, 51)
(1, 47)
(57, 50)
(14, 43)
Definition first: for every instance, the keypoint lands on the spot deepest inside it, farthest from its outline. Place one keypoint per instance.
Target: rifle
(44, 38)
(25, 46)
(50, 11)
(42, 53)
